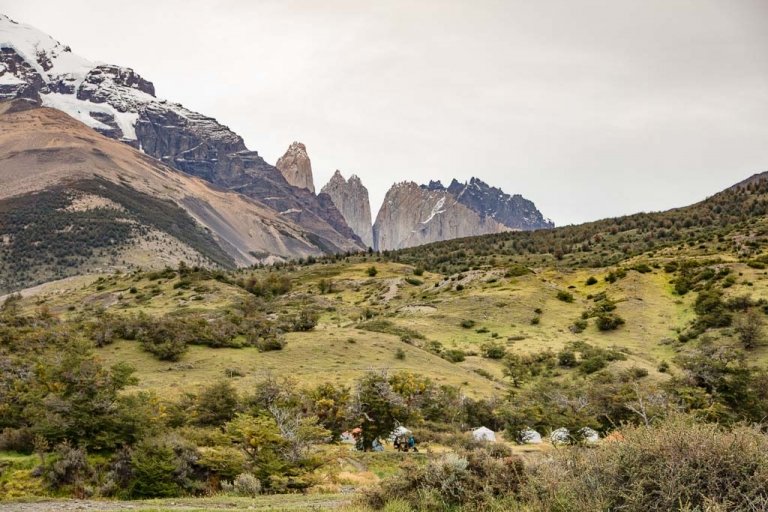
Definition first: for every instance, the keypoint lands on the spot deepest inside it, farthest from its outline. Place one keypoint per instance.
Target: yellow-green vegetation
(364, 320)
(192, 381)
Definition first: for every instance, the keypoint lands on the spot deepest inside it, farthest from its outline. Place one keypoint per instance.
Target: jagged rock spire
(296, 167)
(351, 199)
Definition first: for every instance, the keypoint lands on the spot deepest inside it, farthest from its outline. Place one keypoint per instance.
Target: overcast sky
(589, 108)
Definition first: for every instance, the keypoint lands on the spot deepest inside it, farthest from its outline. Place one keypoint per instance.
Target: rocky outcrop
(119, 103)
(514, 211)
(296, 167)
(351, 199)
(412, 215)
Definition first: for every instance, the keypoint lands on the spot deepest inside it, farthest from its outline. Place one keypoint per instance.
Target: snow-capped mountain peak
(51, 60)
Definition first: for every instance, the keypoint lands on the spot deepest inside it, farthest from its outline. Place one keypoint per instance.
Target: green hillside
(622, 322)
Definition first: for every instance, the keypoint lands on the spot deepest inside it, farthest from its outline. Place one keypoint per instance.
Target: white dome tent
(560, 436)
(484, 434)
(529, 436)
(589, 435)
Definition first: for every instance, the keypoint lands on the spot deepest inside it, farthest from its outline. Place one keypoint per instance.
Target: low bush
(246, 485)
(677, 465)
(453, 355)
(493, 350)
(271, 343)
(473, 477)
(609, 322)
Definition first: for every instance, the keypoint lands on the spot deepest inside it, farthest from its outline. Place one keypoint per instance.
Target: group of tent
(526, 436)
(530, 436)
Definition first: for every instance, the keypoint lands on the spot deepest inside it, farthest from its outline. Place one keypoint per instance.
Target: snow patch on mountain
(437, 209)
(49, 58)
(84, 112)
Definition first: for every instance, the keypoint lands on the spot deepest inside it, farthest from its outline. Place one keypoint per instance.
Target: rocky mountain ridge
(514, 211)
(414, 215)
(120, 104)
(73, 201)
(418, 214)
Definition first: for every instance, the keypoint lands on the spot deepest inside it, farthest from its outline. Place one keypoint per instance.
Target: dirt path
(272, 503)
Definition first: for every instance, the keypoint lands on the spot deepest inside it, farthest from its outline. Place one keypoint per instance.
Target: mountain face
(351, 199)
(296, 167)
(413, 215)
(119, 103)
(73, 201)
(515, 211)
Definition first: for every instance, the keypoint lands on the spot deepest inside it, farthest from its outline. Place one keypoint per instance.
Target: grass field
(501, 310)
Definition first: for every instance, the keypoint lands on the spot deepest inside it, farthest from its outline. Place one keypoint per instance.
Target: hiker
(412, 443)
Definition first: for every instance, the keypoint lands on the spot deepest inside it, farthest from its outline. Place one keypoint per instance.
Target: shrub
(474, 478)
(225, 462)
(163, 467)
(536, 320)
(591, 280)
(325, 286)
(270, 343)
(516, 271)
(750, 329)
(413, 281)
(153, 465)
(615, 275)
(493, 350)
(304, 321)
(593, 364)
(166, 338)
(69, 468)
(579, 326)
(567, 358)
(418, 271)
(388, 327)
(453, 355)
(270, 286)
(609, 322)
(371, 271)
(246, 485)
(565, 296)
(400, 354)
(468, 324)
(676, 465)
(17, 440)
(642, 268)
(216, 404)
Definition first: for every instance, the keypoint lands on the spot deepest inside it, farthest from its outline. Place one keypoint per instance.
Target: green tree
(216, 404)
(73, 398)
(378, 408)
(153, 465)
(330, 403)
(750, 329)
